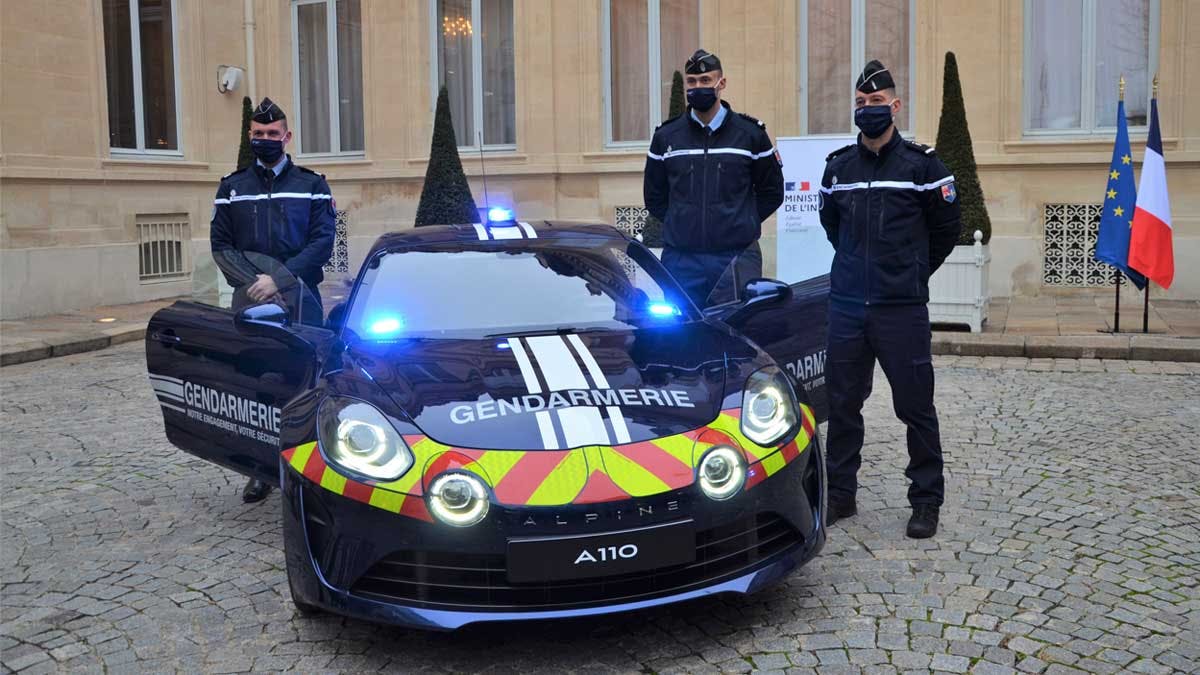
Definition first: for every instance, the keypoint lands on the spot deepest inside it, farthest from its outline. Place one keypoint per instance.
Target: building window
(474, 61)
(645, 42)
(328, 65)
(1076, 52)
(139, 56)
(837, 39)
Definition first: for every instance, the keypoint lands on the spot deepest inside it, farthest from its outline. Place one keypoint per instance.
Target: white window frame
(139, 111)
(435, 27)
(654, 50)
(335, 111)
(858, 61)
(1087, 81)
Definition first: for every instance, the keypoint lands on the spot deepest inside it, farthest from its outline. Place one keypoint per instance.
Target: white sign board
(802, 250)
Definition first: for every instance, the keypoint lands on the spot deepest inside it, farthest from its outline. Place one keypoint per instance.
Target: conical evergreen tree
(652, 233)
(954, 149)
(678, 97)
(446, 197)
(245, 155)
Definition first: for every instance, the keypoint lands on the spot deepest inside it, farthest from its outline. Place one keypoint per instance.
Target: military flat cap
(702, 62)
(874, 78)
(268, 112)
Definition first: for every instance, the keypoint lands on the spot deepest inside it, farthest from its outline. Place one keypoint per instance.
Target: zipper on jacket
(871, 179)
(704, 189)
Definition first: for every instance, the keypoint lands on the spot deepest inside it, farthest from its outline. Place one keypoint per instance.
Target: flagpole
(1146, 297)
(1117, 276)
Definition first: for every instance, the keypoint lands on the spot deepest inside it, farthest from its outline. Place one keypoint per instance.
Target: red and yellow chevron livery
(585, 475)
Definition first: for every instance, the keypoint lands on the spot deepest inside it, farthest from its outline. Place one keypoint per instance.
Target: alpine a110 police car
(513, 421)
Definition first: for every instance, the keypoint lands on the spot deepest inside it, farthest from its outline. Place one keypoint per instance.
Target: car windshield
(545, 286)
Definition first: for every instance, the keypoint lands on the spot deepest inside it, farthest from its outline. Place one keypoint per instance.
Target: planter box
(958, 291)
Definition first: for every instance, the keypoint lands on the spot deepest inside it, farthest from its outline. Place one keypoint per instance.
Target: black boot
(255, 491)
(839, 507)
(924, 521)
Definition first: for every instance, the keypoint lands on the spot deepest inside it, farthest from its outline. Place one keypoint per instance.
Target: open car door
(792, 329)
(221, 391)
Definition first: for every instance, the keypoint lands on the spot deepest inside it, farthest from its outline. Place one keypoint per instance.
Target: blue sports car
(511, 421)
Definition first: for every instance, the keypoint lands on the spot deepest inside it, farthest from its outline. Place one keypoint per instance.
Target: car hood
(560, 391)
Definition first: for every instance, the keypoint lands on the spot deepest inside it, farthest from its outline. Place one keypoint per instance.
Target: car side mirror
(268, 321)
(757, 295)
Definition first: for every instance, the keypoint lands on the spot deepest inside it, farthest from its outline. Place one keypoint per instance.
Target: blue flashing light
(386, 326)
(499, 214)
(663, 309)
(503, 345)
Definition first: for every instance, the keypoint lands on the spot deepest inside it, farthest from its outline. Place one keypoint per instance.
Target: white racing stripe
(169, 388)
(481, 231)
(166, 378)
(581, 425)
(530, 233)
(170, 397)
(615, 416)
(545, 421)
(505, 232)
(173, 407)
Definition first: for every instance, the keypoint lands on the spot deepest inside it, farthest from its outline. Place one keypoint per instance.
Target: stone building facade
(114, 130)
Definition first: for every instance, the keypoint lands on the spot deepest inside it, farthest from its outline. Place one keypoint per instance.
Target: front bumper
(356, 560)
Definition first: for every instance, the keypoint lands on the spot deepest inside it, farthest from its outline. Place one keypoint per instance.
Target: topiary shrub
(245, 155)
(446, 196)
(678, 97)
(954, 149)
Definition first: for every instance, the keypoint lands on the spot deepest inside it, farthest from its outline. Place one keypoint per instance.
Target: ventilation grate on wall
(339, 263)
(1069, 244)
(163, 247)
(630, 219)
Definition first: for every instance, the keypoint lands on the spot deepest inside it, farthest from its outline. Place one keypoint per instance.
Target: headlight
(768, 407)
(357, 437)
(722, 472)
(458, 499)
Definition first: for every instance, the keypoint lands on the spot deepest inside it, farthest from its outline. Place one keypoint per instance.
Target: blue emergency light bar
(663, 309)
(500, 215)
(386, 326)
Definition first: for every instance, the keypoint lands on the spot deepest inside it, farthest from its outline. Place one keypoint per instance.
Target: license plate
(538, 559)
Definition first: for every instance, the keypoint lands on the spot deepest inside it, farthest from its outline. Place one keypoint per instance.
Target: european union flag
(1112, 241)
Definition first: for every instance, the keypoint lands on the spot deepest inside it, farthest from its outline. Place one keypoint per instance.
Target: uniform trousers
(898, 336)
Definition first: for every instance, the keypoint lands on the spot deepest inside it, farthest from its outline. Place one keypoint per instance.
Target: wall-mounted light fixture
(228, 78)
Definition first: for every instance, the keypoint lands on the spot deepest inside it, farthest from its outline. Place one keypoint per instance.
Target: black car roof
(499, 235)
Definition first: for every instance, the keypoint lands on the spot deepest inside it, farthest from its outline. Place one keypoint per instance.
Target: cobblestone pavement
(1070, 542)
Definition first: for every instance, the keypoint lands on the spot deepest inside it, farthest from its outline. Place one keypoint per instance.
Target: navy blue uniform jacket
(892, 219)
(712, 191)
(289, 218)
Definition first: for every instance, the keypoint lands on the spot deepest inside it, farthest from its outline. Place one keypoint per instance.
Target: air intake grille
(480, 581)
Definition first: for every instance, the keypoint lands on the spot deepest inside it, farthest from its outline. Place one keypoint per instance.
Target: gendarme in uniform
(281, 211)
(890, 210)
(712, 177)
(273, 207)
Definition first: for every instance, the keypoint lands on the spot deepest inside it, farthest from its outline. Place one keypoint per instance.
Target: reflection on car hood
(557, 391)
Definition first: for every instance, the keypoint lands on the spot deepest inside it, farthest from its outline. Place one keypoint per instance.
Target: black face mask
(702, 98)
(873, 120)
(266, 149)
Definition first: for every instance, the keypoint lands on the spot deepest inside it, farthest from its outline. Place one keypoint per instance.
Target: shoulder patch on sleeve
(753, 119)
(919, 147)
(837, 152)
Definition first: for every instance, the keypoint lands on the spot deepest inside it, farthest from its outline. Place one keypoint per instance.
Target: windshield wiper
(560, 330)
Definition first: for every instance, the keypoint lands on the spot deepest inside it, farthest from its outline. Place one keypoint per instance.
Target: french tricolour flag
(1150, 249)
